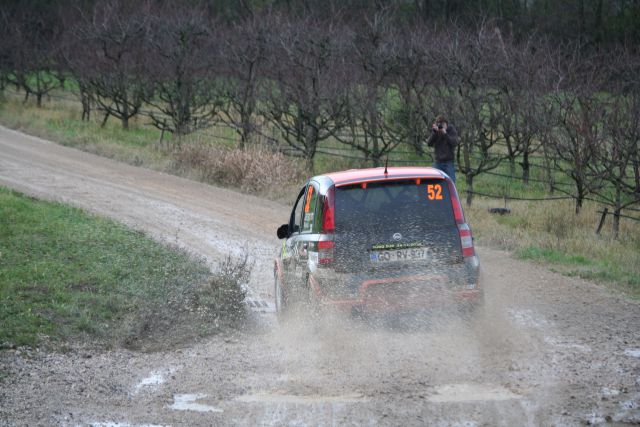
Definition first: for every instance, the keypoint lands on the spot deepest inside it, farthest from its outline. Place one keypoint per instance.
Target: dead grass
(253, 170)
(550, 232)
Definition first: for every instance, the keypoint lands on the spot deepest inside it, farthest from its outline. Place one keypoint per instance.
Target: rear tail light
(325, 247)
(466, 240)
(328, 212)
(325, 252)
(455, 202)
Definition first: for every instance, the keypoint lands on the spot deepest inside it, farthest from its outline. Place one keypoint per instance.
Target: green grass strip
(65, 274)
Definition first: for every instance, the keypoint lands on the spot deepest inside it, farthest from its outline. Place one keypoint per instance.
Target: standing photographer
(443, 139)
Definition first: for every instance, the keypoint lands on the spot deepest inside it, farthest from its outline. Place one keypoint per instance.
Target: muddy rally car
(377, 241)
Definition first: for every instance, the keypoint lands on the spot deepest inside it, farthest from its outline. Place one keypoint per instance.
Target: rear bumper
(392, 298)
(403, 293)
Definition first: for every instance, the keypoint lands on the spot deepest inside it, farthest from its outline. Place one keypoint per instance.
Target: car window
(386, 206)
(310, 205)
(298, 209)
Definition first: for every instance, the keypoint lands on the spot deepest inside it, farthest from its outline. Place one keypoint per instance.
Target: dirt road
(550, 350)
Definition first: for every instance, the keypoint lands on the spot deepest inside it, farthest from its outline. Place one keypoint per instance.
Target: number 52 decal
(434, 192)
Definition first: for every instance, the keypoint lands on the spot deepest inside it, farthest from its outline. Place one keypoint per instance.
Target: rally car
(377, 240)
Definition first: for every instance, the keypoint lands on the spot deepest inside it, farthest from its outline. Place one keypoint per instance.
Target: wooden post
(602, 218)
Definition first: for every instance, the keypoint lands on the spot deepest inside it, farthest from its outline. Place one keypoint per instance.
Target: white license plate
(399, 255)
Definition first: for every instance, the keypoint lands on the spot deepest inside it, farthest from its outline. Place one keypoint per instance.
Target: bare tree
(306, 100)
(109, 53)
(622, 126)
(520, 101)
(6, 47)
(373, 114)
(244, 53)
(181, 66)
(578, 135)
(618, 155)
(75, 61)
(468, 92)
(34, 39)
(415, 79)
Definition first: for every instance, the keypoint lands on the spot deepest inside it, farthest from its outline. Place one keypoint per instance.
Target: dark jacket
(444, 144)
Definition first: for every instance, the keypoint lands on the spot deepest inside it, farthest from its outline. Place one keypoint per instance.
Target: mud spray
(438, 359)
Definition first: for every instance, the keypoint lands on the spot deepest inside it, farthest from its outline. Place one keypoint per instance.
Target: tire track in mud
(548, 350)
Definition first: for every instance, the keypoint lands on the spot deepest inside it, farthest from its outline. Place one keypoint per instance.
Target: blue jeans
(448, 168)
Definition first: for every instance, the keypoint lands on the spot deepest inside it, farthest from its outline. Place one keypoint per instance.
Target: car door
(290, 247)
(307, 235)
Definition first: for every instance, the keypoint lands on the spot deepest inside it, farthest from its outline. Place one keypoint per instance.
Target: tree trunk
(598, 22)
(616, 212)
(309, 163)
(579, 201)
(376, 160)
(125, 115)
(376, 152)
(104, 121)
(579, 198)
(311, 143)
(636, 171)
(86, 108)
(548, 169)
(245, 132)
(469, 180)
(526, 167)
(582, 18)
(373, 121)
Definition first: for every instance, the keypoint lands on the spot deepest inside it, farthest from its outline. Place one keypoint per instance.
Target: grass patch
(66, 275)
(553, 256)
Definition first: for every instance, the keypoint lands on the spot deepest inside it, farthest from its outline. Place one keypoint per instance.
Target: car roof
(355, 176)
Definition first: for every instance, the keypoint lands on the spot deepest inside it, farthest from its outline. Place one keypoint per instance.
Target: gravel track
(548, 349)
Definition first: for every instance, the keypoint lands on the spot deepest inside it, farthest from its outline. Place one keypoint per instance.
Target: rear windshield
(385, 206)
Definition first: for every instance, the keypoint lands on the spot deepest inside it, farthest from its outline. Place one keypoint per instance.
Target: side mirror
(283, 231)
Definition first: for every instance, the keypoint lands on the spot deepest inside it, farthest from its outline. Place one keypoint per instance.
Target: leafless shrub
(222, 297)
(188, 312)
